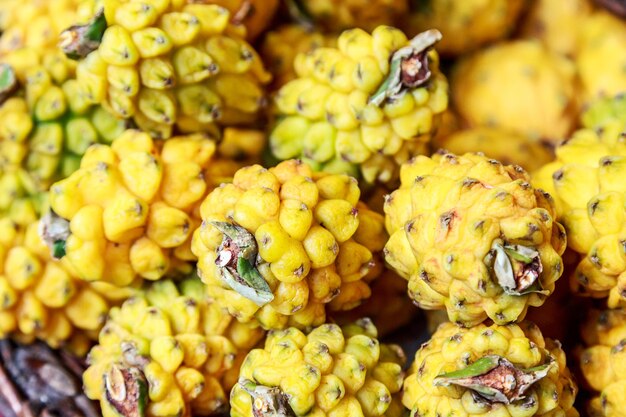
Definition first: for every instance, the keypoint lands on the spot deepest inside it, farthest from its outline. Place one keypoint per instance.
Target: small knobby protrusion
(236, 260)
(495, 378)
(517, 268)
(409, 67)
(78, 41)
(267, 401)
(126, 390)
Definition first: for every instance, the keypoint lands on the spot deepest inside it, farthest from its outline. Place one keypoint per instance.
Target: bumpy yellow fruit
(34, 23)
(602, 362)
(466, 25)
(472, 236)
(336, 15)
(389, 308)
(602, 40)
(44, 130)
(284, 50)
(556, 23)
(280, 246)
(167, 65)
(605, 111)
(364, 107)
(507, 147)
(519, 86)
(587, 182)
(168, 351)
(331, 371)
(42, 298)
(129, 212)
(490, 370)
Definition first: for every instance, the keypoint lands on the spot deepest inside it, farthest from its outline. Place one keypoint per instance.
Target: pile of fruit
(289, 208)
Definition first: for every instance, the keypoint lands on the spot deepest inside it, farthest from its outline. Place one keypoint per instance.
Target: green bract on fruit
(167, 65)
(328, 371)
(472, 236)
(363, 107)
(490, 370)
(168, 351)
(283, 245)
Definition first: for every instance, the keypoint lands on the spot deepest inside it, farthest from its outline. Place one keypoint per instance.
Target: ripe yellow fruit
(282, 245)
(472, 236)
(601, 40)
(285, 48)
(131, 208)
(520, 86)
(466, 25)
(363, 107)
(510, 148)
(328, 371)
(180, 66)
(490, 370)
(556, 23)
(587, 183)
(43, 298)
(602, 362)
(255, 15)
(168, 351)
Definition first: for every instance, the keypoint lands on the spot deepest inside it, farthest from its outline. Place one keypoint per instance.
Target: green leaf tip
(78, 41)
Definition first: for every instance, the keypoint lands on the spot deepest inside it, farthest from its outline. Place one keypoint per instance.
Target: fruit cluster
(262, 208)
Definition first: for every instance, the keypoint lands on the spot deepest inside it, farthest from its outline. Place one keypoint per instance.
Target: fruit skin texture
(45, 128)
(284, 49)
(453, 348)
(187, 348)
(318, 246)
(507, 147)
(587, 183)
(133, 206)
(336, 15)
(494, 86)
(325, 118)
(331, 371)
(43, 298)
(605, 111)
(556, 23)
(445, 219)
(178, 67)
(466, 25)
(602, 361)
(602, 38)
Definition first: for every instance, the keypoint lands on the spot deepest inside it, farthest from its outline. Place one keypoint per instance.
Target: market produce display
(290, 208)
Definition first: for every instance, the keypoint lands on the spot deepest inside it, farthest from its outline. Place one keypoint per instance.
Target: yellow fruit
(181, 67)
(490, 370)
(507, 147)
(316, 245)
(329, 371)
(556, 23)
(466, 25)
(255, 15)
(472, 236)
(282, 48)
(586, 181)
(336, 15)
(131, 208)
(519, 86)
(43, 298)
(601, 40)
(167, 351)
(349, 111)
(602, 362)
